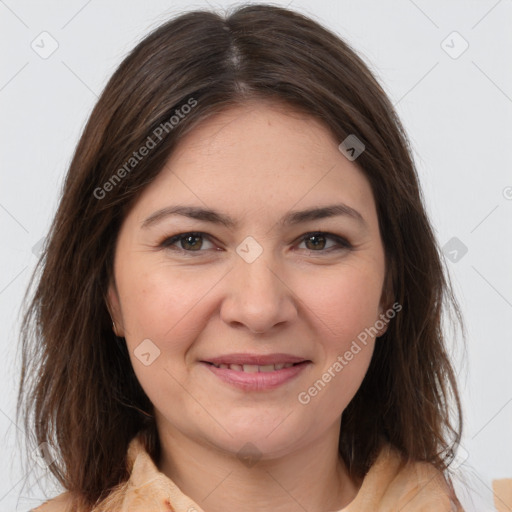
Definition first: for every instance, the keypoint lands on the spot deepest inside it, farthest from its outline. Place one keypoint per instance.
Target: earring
(114, 328)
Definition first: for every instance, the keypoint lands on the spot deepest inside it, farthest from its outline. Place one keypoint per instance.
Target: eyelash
(168, 242)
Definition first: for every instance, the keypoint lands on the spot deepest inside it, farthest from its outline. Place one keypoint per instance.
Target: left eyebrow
(290, 219)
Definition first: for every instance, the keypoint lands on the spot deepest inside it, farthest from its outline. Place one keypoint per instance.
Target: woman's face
(260, 286)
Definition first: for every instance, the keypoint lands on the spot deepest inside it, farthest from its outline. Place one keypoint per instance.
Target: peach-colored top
(417, 487)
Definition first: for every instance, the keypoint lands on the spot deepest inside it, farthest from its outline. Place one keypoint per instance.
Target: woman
(241, 295)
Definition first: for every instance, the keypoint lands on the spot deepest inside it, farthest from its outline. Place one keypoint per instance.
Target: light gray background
(458, 114)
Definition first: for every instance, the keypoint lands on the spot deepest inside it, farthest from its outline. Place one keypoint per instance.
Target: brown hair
(78, 390)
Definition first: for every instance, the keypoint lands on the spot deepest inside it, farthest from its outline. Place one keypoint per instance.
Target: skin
(256, 163)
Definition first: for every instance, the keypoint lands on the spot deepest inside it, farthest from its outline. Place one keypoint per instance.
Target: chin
(268, 441)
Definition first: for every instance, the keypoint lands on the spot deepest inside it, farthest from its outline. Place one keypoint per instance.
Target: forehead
(255, 132)
(258, 158)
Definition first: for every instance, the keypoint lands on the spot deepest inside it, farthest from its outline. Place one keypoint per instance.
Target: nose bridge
(256, 279)
(258, 296)
(260, 277)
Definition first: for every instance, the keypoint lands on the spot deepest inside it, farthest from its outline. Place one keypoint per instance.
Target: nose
(258, 296)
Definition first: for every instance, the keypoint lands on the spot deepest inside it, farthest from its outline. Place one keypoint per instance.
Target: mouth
(255, 368)
(255, 363)
(251, 372)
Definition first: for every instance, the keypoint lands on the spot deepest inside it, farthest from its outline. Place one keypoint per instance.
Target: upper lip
(257, 359)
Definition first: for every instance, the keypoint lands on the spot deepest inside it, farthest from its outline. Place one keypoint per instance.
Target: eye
(188, 241)
(317, 241)
(193, 242)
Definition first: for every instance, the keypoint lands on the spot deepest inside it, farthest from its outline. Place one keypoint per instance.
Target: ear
(114, 308)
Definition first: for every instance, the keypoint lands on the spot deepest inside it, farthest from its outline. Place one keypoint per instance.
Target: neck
(313, 477)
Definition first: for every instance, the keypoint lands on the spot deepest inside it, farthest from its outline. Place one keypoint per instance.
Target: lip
(258, 381)
(259, 359)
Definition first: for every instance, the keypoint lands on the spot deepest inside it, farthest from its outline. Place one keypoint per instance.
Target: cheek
(344, 302)
(345, 307)
(345, 350)
(159, 302)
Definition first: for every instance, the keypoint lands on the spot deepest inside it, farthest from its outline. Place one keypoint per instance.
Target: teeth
(253, 368)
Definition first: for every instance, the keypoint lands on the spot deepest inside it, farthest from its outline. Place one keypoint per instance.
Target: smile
(252, 377)
(253, 368)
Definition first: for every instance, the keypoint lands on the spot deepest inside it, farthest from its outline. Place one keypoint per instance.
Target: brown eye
(191, 242)
(316, 242)
(188, 242)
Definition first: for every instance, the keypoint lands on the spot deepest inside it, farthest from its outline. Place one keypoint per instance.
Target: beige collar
(414, 487)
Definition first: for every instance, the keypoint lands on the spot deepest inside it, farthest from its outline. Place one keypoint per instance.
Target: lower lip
(257, 381)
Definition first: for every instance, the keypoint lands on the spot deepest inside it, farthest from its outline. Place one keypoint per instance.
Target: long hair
(78, 391)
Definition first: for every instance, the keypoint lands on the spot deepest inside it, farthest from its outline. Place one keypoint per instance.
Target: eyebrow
(290, 219)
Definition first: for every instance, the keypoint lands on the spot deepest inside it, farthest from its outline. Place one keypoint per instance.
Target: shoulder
(393, 483)
(61, 503)
(425, 485)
